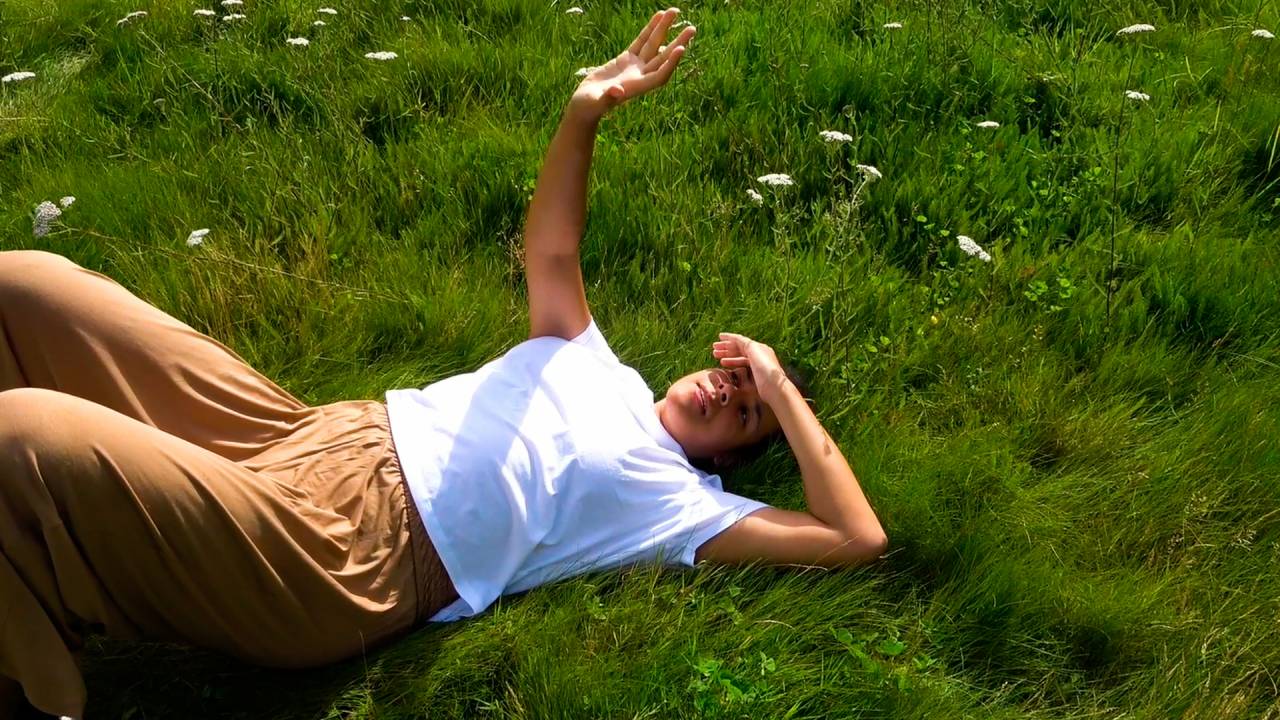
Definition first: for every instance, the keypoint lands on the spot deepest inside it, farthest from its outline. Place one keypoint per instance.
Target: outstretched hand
(737, 351)
(637, 70)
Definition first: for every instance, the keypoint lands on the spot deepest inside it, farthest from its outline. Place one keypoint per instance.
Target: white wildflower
(573, 11)
(17, 76)
(893, 26)
(405, 18)
(318, 23)
(1135, 95)
(1263, 34)
(197, 236)
(989, 124)
(204, 13)
(327, 11)
(232, 16)
(682, 23)
(381, 55)
(229, 3)
(130, 16)
(835, 136)
(66, 200)
(756, 197)
(300, 41)
(871, 172)
(584, 71)
(775, 179)
(971, 248)
(46, 213)
(1139, 28)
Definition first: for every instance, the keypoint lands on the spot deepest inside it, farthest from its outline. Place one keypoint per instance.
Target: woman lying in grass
(709, 418)
(155, 486)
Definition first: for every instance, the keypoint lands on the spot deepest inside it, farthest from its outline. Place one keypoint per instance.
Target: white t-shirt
(546, 463)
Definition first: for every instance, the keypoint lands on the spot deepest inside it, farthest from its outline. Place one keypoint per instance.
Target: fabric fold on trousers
(154, 486)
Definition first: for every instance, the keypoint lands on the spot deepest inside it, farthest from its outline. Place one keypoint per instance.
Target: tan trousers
(154, 486)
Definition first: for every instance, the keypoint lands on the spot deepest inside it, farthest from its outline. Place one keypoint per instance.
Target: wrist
(776, 386)
(582, 114)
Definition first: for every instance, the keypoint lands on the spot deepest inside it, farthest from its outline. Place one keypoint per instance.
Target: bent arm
(553, 229)
(830, 487)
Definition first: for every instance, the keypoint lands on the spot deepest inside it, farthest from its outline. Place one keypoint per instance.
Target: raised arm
(558, 212)
(557, 217)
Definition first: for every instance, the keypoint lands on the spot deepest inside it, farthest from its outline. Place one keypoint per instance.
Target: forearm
(557, 214)
(830, 487)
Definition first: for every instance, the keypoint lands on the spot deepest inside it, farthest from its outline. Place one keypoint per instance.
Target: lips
(702, 400)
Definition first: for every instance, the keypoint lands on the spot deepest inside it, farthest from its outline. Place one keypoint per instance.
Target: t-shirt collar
(653, 425)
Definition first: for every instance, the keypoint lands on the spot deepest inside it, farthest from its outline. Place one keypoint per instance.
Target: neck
(660, 409)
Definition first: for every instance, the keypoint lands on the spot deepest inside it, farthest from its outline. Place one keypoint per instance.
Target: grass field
(1072, 447)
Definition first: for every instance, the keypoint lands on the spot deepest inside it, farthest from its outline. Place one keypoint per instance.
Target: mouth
(702, 400)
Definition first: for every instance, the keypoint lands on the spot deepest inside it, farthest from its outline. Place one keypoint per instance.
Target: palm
(624, 70)
(640, 68)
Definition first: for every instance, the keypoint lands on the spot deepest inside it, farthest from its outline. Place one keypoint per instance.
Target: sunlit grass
(1079, 486)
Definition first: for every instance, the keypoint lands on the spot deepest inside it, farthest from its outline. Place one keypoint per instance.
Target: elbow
(875, 544)
(864, 548)
(881, 545)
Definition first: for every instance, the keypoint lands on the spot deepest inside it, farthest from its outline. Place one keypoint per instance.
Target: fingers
(638, 44)
(658, 34)
(727, 346)
(735, 337)
(680, 42)
(659, 77)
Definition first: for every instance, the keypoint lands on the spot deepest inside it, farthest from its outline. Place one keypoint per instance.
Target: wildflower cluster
(130, 16)
(47, 213)
(971, 248)
(1139, 28)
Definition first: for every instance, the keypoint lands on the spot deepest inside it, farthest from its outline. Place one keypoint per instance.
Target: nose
(724, 389)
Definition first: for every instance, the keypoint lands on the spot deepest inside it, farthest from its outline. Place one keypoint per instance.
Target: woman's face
(712, 412)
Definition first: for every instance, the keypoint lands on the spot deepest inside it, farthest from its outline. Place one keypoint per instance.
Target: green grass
(1081, 508)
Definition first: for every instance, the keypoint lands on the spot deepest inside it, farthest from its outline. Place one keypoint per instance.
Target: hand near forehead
(737, 351)
(643, 66)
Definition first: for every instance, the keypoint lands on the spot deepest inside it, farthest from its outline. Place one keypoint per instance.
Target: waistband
(434, 587)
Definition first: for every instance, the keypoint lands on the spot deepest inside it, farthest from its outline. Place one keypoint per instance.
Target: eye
(744, 417)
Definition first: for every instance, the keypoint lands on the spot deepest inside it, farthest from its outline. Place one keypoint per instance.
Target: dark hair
(803, 380)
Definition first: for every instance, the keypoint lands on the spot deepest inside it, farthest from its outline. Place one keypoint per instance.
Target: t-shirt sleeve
(710, 512)
(594, 339)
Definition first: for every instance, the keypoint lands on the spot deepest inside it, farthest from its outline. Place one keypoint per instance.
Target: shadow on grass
(131, 679)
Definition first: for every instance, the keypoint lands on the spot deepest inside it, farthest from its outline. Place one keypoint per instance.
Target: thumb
(616, 93)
